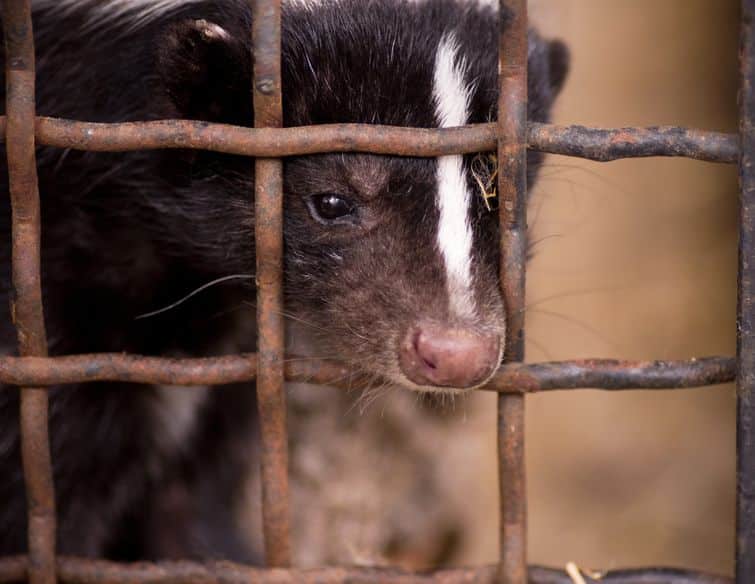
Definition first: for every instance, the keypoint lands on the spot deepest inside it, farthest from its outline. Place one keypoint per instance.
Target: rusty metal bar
(81, 571)
(512, 189)
(268, 194)
(610, 374)
(598, 144)
(604, 145)
(745, 549)
(607, 374)
(26, 306)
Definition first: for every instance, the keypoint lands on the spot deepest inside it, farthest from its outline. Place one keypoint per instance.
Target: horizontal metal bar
(511, 378)
(84, 571)
(597, 144)
(603, 145)
(165, 371)
(614, 374)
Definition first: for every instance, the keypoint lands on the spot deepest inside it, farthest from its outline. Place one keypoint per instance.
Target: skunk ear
(206, 72)
(548, 63)
(559, 59)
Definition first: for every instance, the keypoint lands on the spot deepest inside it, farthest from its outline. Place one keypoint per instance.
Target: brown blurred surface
(633, 259)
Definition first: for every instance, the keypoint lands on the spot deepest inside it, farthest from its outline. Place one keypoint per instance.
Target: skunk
(391, 262)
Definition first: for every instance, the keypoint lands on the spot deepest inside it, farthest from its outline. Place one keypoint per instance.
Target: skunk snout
(433, 354)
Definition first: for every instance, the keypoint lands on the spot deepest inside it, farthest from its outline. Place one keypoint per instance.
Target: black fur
(124, 234)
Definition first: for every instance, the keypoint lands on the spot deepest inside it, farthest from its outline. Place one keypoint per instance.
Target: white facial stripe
(452, 96)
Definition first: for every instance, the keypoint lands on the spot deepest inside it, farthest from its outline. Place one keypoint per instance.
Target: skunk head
(393, 261)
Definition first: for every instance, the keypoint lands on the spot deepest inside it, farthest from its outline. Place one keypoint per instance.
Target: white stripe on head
(451, 96)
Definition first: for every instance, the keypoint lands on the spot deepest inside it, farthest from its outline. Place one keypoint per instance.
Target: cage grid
(511, 136)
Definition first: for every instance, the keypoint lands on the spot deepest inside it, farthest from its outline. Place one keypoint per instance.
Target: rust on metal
(138, 369)
(745, 551)
(27, 289)
(602, 145)
(606, 374)
(512, 192)
(611, 374)
(81, 571)
(598, 144)
(268, 205)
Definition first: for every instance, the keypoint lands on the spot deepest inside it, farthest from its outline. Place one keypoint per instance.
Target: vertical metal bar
(745, 560)
(266, 32)
(512, 191)
(27, 303)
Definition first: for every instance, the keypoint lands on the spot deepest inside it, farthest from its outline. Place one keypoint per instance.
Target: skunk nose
(432, 354)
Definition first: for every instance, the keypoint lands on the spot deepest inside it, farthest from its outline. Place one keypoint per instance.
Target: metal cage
(33, 371)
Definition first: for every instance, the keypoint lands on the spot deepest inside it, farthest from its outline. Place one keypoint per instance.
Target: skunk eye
(331, 208)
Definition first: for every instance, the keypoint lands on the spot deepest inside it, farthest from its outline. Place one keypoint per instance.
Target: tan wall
(633, 259)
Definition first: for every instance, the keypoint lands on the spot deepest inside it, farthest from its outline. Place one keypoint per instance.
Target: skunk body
(393, 262)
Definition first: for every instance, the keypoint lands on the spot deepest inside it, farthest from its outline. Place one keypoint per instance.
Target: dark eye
(330, 208)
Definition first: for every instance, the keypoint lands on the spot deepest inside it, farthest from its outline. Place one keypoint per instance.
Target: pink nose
(432, 354)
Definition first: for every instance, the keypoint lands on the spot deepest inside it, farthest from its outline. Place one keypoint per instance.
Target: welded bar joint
(745, 548)
(268, 193)
(26, 307)
(512, 190)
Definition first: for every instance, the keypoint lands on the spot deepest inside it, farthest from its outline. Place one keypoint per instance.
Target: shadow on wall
(633, 259)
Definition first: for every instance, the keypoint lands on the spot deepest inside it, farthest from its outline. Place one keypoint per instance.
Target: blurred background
(634, 259)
